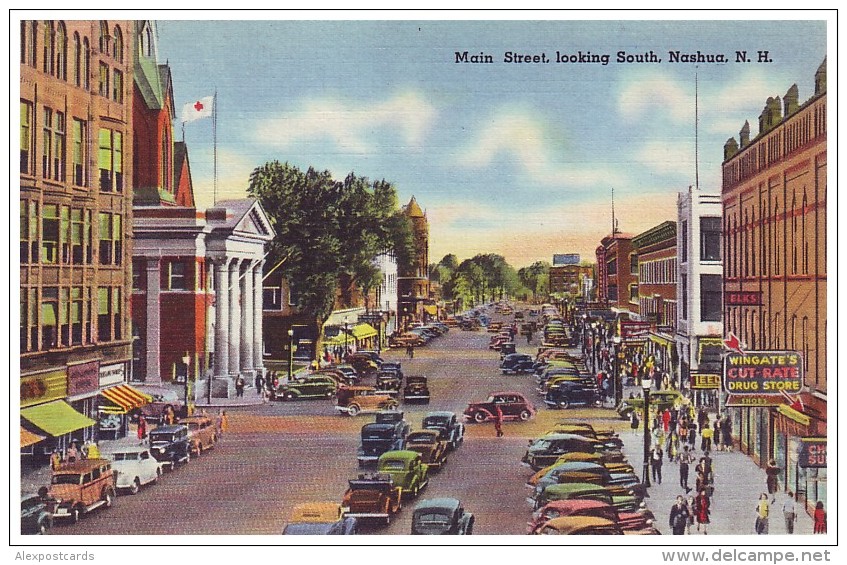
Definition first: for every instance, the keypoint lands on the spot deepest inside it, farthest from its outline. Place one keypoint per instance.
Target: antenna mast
(696, 133)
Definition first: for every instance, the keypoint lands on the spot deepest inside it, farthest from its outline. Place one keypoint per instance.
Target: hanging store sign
(43, 387)
(752, 400)
(705, 381)
(634, 331)
(812, 453)
(769, 373)
(83, 378)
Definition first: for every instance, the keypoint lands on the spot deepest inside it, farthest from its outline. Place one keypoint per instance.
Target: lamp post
(616, 340)
(346, 337)
(290, 353)
(186, 359)
(646, 383)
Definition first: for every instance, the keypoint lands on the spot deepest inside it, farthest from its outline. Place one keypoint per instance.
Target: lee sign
(763, 372)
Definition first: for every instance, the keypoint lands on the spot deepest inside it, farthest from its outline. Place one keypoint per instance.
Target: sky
(519, 159)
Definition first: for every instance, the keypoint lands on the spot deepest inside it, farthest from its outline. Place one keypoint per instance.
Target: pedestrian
(692, 433)
(690, 503)
(685, 459)
(673, 446)
(222, 423)
(498, 421)
(93, 450)
(679, 517)
(656, 456)
(772, 481)
(55, 460)
(762, 511)
(789, 511)
(706, 438)
(411, 352)
(142, 428)
(73, 453)
(702, 505)
(239, 386)
(169, 417)
(702, 419)
(666, 420)
(260, 383)
(820, 518)
(726, 433)
(716, 434)
(633, 422)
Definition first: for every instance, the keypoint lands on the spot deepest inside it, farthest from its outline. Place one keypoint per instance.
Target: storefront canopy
(363, 331)
(57, 418)
(28, 438)
(431, 310)
(125, 398)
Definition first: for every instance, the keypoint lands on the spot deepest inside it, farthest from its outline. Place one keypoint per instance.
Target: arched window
(118, 45)
(805, 242)
(104, 38)
(85, 68)
(28, 39)
(77, 61)
(49, 48)
(794, 233)
(62, 52)
(166, 154)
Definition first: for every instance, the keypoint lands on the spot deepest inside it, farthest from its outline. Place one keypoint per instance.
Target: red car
(629, 522)
(513, 405)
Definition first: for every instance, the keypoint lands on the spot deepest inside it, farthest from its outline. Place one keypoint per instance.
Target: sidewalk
(738, 484)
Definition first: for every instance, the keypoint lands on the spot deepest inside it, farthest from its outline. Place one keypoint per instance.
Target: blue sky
(516, 159)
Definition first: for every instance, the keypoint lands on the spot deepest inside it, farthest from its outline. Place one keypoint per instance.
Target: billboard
(763, 373)
(565, 259)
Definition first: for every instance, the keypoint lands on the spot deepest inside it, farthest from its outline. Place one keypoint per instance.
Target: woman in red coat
(701, 510)
(820, 518)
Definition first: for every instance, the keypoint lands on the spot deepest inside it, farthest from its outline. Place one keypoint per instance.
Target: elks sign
(763, 373)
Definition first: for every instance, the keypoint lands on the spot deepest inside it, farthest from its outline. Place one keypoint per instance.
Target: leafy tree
(536, 278)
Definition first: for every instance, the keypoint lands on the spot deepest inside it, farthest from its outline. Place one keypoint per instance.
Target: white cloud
(668, 158)
(654, 93)
(352, 128)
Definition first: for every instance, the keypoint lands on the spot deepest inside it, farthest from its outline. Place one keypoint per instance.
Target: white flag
(198, 109)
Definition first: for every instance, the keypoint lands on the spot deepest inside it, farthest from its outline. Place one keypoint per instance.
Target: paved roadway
(284, 453)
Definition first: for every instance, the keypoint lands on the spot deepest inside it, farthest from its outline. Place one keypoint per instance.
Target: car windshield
(420, 438)
(161, 438)
(541, 444)
(432, 519)
(66, 479)
(393, 465)
(132, 456)
(434, 422)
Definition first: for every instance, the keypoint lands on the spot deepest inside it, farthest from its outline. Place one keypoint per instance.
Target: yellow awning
(28, 438)
(125, 397)
(793, 414)
(57, 418)
(431, 310)
(339, 340)
(364, 331)
(659, 340)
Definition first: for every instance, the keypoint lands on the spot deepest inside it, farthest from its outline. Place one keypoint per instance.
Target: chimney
(730, 148)
(744, 135)
(771, 115)
(820, 78)
(791, 100)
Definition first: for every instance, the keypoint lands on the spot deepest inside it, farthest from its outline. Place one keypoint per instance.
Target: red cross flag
(198, 109)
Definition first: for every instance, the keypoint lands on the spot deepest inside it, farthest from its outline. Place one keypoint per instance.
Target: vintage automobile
(565, 394)
(448, 426)
(578, 456)
(406, 339)
(433, 450)
(513, 405)
(169, 445)
(372, 496)
(619, 484)
(628, 521)
(388, 433)
(35, 517)
(389, 380)
(202, 433)
(585, 429)
(659, 400)
(354, 400)
(572, 491)
(320, 518)
(546, 449)
(163, 398)
(133, 465)
(416, 390)
(494, 327)
(406, 469)
(364, 365)
(395, 366)
(517, 364)
(507, 348)
(341, 378)
(441, 516)
(496, 342)
(372, 355)
(80, 487)
(469, 325)
(349, 372)
(310, 386)
(579, 526)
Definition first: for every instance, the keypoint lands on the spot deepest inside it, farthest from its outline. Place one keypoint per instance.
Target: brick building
(617, 273)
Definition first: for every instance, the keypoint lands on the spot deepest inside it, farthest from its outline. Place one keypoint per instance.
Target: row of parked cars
(124, 466)
(419, 335)
(401, 460)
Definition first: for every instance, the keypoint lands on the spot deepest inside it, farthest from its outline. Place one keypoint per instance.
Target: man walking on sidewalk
(790, 512)
(685, 460)
(656, 460)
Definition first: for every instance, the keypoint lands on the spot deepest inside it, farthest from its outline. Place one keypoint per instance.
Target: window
(116, 312)
(26, 137)
(272, 298)
(64, 317)
(49, 48)
(85, 67)
(109, 160)
(29, 231)
(76, 306)
(118, 45)
(58, 167)
(104, 318)
(633, 293)
(80, 132)
(683, 283)
(710, 239)
(711, 302)
(28, 34)
(612, 267)
(683, 232)
(176, 276)
(110, 239)
(167, 174)
(65, 234)
(50, 234)
(104, 40)
(61, 52)
(77, 60)
(118, 86)
(633, 263)
(49, 311)
(104, 80)
(47, 144)
(139, 278)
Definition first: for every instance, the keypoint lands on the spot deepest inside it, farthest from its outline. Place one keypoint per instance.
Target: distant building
(414, 302)
(617, 274)
(568, 281)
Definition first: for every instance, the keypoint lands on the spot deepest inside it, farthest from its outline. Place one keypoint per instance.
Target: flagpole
(215, 144)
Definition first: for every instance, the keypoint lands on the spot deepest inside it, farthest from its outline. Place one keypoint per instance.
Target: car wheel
(353, 409)
(289, 396)
(135, 487)
(109, 497)
(479, 417)
(525, 415)
(564, 404)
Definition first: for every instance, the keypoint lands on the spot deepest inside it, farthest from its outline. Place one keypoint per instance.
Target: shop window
(49, 317)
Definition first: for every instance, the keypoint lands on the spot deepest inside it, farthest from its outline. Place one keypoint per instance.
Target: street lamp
(186, 359)
(646, 383)
(290, 353)
(346, 335)
(618, 381)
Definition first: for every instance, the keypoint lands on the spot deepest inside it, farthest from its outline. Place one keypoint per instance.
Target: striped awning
(28, 438)
(125, 398)
(57, 418)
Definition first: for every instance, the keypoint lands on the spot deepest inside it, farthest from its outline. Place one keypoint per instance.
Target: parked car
(517, 364)
(579, 526)
(513, 405)
(349, 372)
(507, 348)
(133, 465)
(389, 381)
(355, 400)
(372, 355)
(364, 365)
(406, 469)
(163, 398)
(202, 433)
(619, 484)
(372, 496)
(320, 518)
(448, 426)
(613, 467)
(416, 390)
(381, 436)
(169, 445)
(546, 449)
(35, 516)
(565, 394)
(433, 450)
(659, 400)
(393, 366)
(81, 487)
(628, 521)
(574, 491)
(607, 436)
(311, 386)
(441, 516)
(341, 378)
(405, 340)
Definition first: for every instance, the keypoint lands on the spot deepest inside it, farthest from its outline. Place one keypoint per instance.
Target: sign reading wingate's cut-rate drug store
(763, 372)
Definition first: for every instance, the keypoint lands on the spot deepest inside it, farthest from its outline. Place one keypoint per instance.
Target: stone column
(235, 307)
(247, 320)
(221, 319)
(258, 345)
(153, 329)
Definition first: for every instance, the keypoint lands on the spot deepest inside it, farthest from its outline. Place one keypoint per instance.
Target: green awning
(57, 418)
(363, 331)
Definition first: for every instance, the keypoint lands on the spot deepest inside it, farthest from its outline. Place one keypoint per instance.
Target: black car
(170, 445)
(35, 517)
(517, 363)
(564, 394)
(343, 527)
(448, 425)
(389, 380)
(441, 516)
(547, 449)
(392, 366)
(388, 433)
(416, 390)
(507, 348)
